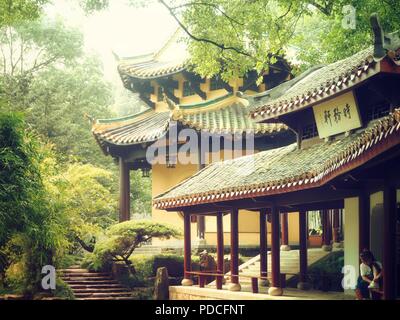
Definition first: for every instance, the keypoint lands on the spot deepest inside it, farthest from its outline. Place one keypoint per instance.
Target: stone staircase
(94, 285)
(290, 263)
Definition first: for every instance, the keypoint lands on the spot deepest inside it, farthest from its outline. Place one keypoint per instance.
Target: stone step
(75, 266)
(94, 278)
(108, 298)
(102, 290)
(103, 295)
(88, 285)
(94, 286)
(91, 282)
(74, 270)
(84, 275)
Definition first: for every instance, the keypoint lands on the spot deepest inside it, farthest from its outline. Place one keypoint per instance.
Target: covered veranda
(328, 176)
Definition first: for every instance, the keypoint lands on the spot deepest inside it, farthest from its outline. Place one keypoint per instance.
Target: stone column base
(285, 247)
(304, 286)
(275, 291)
(326, 247)
(187, 282)
(234, 287)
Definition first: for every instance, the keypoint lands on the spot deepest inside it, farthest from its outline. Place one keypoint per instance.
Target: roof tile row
(287, 168)
(317, 85)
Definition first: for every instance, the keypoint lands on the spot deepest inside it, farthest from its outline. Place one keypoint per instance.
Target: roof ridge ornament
(385, 43)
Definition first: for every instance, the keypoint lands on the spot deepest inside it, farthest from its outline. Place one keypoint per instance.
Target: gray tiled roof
(144, 127)
(316, 85)
(282, 169)
(150, 125)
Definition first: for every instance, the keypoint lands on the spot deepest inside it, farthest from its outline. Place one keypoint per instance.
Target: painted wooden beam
(263, 243)
(220, 249)
(124, 191)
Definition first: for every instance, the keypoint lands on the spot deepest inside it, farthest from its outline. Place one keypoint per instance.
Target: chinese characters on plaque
(337, 115)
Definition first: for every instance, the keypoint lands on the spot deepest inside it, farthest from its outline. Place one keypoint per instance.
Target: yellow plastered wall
(164, 178)
(293, 228)
(351, 239)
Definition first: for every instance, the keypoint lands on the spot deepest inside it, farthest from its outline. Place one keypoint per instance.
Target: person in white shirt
(370, 275)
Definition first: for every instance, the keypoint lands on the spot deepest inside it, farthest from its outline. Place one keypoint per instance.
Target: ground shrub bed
(325, 274)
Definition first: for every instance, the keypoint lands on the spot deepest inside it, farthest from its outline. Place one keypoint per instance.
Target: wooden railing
(202, 276)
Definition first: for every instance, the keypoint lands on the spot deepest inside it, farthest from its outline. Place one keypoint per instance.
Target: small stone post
(161, 286)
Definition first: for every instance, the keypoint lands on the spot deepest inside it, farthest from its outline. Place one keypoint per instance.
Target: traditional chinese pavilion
(177, 97)
(346, 118)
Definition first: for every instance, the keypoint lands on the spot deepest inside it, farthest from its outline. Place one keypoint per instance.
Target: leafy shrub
(325, 274)
(122, 239)
(31, 230)
(147, 265)
(333, 263)
(95, 261)
(63, 290)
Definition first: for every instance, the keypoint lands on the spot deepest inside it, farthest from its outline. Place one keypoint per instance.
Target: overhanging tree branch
(212, 5)
(200, 39)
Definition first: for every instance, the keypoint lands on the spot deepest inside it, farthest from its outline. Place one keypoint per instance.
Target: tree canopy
(231, 37)
(123, 238)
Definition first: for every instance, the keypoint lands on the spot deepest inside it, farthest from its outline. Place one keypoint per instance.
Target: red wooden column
(124, 191)
(303, 284)
(285, 232)
(389, 242)
(201, 219)
(220, 249)
(364, 221)
(263, 247)
(234, 286)
(326, 239)
(275, 289)
(187, 250)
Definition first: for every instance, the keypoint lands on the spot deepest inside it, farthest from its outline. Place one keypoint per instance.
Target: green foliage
(147, 265)
(143, 230)
(12, 11)
(122, 239)
(85, 193)
(31, 232)
(235, 36)
(333, 263)
(48, 78)
(141, 199)
(19, 176)
(60, 104)
(326, 274)
(63, 291)
(57, 189)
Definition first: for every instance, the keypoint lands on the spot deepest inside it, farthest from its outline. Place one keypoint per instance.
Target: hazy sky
(125, 30)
